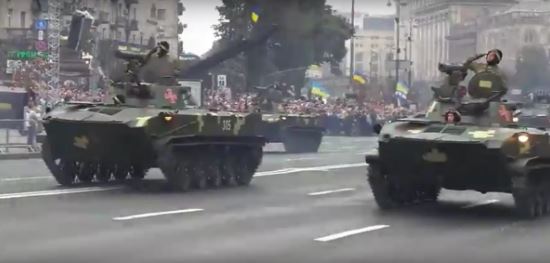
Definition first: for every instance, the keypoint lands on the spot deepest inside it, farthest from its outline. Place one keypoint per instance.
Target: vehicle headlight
(523, 138)
(515, 119)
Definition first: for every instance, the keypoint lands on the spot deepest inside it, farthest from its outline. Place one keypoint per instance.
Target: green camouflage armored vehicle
(536, 113)
(299, 133)
(152, 125)
(462, 144)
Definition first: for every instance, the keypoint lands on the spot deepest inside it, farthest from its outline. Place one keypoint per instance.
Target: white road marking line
(332, 191)
(306, 169)
(100, 189)
(301, 159)
(157, 214)
(14, 179)
(350, 233)
(57, 192)
(486, 202)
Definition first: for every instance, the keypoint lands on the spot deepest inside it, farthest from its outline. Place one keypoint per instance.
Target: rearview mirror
(377, 128)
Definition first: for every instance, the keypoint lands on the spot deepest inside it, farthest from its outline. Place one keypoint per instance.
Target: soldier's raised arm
(470, 64)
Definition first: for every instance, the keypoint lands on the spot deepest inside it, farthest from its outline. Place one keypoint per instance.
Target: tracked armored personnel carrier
(535, 114)
(462, 144)
(299, 133)
(152, 125)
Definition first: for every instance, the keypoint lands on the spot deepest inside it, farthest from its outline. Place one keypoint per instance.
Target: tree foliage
(309, 33)
(532, 68)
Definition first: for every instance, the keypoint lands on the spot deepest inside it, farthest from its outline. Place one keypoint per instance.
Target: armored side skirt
(276, 132)
(98, 141)
(457, 166)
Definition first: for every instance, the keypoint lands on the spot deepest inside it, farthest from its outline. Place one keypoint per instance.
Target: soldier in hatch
(488, 79)
(158, 65)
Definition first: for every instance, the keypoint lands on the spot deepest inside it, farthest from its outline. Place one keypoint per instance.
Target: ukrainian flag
(402, 89)
(359, 78)
(401, 92)
(318, 90)
(255, 14)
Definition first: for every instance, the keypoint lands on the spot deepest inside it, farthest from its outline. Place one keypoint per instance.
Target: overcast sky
(200, 15)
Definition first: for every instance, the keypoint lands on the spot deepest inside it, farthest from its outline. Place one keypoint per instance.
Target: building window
(153, 11)
(135, 13)
(359, 56)
(103, 33)
(10, 14)
(118, 36)
(120, 13)
(23, 20)
(161, 14)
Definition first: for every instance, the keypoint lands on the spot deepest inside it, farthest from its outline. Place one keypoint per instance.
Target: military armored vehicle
(462, 144)
(535, 113)
(299, 133)
(151, 125)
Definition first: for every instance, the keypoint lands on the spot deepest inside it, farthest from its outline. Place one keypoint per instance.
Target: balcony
(103, 18)
(121, 21)
(152, 22)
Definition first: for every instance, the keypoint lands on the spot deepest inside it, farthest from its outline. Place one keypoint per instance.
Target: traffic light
(79, 32)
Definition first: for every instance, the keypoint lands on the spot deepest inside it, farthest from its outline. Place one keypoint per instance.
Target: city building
(374, 46)
(525, 24)
(433, 21)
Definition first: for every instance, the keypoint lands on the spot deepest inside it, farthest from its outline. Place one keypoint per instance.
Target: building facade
(525, 24)
(374, 46)
(133, 23)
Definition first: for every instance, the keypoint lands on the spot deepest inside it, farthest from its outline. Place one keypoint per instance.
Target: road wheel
(387, 194)
(214, 174)
(246, 164)
(227, 170)
(428, 192)
(104, 173)
(86, 172)
(62, 170)
(121, 173)
(526, 204)
(137, 172)
(200, 175)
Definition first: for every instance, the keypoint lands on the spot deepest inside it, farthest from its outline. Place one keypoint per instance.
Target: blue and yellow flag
(359, 78)
(255, 14)
(401, 89)
(318, 90)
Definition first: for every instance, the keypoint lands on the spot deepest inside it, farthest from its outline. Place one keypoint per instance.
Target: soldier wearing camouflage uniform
(493, 58)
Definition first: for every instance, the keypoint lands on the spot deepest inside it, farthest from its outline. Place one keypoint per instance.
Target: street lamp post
(409, 39)
(398, 37)
(352, 44)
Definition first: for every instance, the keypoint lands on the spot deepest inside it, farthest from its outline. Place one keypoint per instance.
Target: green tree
(309, 33)
(532, 68)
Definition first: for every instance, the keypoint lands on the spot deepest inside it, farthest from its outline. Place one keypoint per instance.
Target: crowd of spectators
(339, 116)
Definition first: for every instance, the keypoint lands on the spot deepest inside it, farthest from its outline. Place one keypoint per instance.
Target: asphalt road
(299, 208)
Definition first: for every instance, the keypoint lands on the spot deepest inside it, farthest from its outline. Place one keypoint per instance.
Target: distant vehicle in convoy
(299, 133)
(536, 113)
(152, 125)
(462, 144)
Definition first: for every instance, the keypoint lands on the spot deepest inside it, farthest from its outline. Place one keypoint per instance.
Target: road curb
(19, 156)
